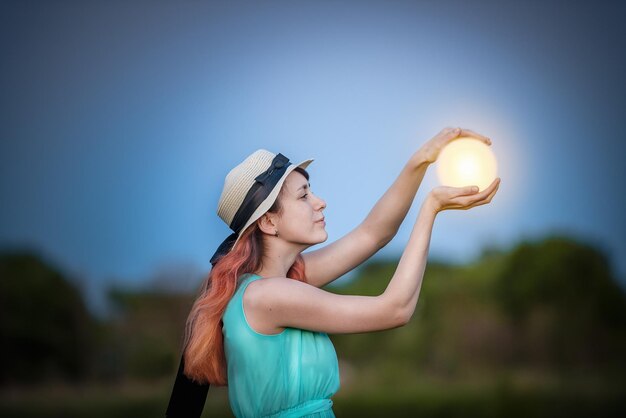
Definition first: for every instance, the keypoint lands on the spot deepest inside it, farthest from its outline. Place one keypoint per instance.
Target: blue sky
(120, 120)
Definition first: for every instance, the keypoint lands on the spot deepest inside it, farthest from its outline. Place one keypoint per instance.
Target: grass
(502, 397)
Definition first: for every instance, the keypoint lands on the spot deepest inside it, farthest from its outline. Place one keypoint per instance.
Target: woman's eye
(305, 195)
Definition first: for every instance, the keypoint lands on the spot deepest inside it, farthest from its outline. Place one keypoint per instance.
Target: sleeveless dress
(291, 374)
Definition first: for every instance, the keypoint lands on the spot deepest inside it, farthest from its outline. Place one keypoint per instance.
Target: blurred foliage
(440, 401)
(538, 330)
(147, 330)
(45, 329)
(552, 305)
(564, 304)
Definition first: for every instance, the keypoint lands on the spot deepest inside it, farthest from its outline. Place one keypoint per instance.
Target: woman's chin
(318, 237)
(325, 236)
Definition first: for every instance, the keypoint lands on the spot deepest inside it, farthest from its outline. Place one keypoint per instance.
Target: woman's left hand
(429, 152)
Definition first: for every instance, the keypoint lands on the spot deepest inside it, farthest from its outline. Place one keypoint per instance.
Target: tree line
(554, 305)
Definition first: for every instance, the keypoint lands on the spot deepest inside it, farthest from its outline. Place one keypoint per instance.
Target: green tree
(562, 293)
(44, 325)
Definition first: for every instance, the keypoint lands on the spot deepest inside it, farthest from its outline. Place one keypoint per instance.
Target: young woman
(261, 321)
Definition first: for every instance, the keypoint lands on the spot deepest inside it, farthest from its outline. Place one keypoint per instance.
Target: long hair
(205, 361)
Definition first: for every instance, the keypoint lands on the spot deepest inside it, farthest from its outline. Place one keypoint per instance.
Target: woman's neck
(278, 259)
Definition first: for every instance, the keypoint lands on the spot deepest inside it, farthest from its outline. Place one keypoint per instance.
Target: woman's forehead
(295, 181)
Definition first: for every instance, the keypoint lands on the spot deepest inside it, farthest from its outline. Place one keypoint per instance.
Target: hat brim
(271, 198)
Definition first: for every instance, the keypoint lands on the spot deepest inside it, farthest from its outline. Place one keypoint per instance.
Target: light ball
(466, 161)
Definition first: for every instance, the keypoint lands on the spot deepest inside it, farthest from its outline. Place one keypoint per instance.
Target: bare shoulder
(261, 299)
(271, 288)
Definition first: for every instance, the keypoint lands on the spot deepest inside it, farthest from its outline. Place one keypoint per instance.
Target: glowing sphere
(466, 162)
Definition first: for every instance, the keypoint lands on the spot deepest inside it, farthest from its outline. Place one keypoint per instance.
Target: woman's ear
(267, 224)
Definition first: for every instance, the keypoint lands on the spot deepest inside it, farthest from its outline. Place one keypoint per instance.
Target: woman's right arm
(283, 302)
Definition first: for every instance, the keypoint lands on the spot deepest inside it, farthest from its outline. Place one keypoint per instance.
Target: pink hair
(205, 361)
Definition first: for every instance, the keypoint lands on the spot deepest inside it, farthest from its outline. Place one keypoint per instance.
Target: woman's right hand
(445, 197)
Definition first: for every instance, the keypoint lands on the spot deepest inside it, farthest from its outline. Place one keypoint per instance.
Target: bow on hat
(280, 163)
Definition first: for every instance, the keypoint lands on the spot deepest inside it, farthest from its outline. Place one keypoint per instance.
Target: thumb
(470, 190)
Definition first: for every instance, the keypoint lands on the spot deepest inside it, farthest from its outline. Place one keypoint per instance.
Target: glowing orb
(466, 162)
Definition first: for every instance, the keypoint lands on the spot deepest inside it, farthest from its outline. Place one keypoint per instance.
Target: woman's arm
(275, 303)
(326, 264)
(384, 220)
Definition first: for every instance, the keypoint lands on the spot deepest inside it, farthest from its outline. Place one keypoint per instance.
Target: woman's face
(302, 210)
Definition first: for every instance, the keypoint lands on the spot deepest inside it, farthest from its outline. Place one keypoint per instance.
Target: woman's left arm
(326, 264)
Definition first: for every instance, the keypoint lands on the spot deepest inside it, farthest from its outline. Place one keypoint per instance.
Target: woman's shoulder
(247, 303)
(277, 292)
(268, 287)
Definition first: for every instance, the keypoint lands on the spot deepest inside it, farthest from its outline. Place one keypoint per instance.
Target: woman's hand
(429, 152)
(446, 197)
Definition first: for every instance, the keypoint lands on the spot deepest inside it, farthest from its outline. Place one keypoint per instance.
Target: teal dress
(291, 374)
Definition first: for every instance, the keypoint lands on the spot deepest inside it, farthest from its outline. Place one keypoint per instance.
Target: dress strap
(245, 279)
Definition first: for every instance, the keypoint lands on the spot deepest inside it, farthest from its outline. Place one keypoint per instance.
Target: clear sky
(120, 120)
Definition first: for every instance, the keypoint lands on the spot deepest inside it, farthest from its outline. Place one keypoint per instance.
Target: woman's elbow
(404, 317)
(401, 316)
(395, 314)
(386, 240)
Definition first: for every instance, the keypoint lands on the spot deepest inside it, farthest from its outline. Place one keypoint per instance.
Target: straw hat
(250, 189)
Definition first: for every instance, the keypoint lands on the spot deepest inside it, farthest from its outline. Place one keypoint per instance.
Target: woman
(261, 321)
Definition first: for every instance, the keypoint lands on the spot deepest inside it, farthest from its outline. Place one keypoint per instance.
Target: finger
(468, 190)
(471, 198)
(492, 193)
(472, 134)
(468, 202)
(455, 132)
(484, 201)
(472, 192)
(489, 197)
(495, 183)
(461, 194)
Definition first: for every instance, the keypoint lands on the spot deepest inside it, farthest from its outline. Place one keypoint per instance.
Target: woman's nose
(322, 203)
